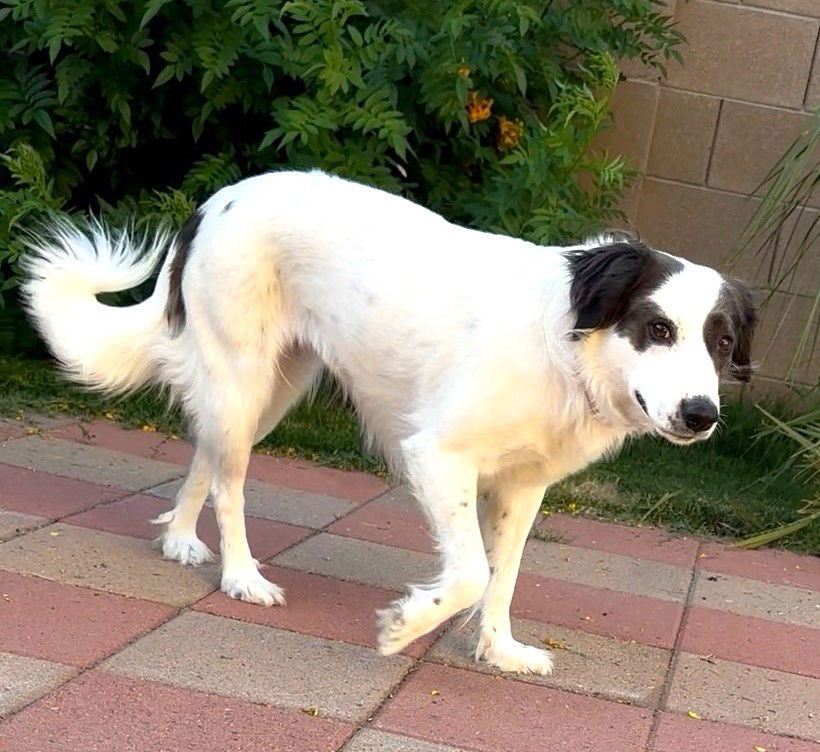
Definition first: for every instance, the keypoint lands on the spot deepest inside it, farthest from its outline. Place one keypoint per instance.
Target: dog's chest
(549, 454)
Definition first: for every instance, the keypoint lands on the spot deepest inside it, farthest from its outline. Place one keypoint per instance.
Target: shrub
(483, 111)
(786, 192)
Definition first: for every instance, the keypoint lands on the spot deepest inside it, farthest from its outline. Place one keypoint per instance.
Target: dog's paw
(514, 656)
(186, 549)
(392, 628)
(407, 619)
(252, 587)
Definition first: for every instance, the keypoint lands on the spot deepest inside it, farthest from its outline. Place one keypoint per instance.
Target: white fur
(64, 277)
(452, 344)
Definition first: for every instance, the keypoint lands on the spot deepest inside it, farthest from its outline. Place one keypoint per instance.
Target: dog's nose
(699, 413)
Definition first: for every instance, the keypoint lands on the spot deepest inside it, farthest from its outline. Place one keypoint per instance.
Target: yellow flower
(478, 107)
(509, 133)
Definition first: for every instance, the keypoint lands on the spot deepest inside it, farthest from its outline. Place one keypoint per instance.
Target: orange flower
(463, 71)
(509, 133)
(478, 107)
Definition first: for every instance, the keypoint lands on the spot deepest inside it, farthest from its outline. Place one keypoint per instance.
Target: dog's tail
(107, 348)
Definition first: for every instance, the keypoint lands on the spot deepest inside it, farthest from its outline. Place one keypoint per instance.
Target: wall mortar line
(713, 144)
(813, 68)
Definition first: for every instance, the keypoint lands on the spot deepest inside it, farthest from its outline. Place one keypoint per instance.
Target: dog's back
(398, 303)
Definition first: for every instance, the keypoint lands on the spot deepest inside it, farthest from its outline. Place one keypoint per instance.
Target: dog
(483, 367)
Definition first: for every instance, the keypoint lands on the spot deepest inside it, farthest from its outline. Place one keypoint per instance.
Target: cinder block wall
(705, 137)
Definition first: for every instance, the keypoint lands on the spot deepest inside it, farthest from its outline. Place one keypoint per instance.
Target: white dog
(480, 365)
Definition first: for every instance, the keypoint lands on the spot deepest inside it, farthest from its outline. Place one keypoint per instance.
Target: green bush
(483, 111)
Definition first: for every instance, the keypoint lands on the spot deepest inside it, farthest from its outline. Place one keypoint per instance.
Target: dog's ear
(744, 321)
(604, 281)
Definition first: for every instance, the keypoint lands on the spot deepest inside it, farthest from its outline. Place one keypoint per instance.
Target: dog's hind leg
(445, 485)
(505, 524)
(179, 541)
(298, 370)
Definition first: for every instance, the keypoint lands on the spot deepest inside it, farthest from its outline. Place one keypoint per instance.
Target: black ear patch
(605, 280)
(742, 305)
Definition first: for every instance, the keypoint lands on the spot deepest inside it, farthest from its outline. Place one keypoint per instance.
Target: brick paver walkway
(662, 644)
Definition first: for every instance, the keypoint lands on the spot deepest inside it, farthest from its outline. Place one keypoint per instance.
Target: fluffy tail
(104, 347)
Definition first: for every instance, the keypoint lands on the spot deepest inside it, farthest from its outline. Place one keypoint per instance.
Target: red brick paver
(317, 605)
(604, 612)
(383, 524)
(640, 542)
(108, 713)
(776, 567)
(127, 652)
(466, 709)
(758, 642)
(69, 624)
(148, 444)
(10, 429)
(324, 480)
(677, 733)
(132, 517)
(46, 495)
(297, 474)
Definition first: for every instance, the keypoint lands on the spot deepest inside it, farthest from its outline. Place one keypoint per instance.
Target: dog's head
(656, 333)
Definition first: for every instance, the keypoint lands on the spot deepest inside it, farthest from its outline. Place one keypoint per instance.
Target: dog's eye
(660, 331)
(725, 343)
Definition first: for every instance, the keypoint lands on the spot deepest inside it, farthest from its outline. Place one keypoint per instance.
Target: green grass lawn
(726, 486)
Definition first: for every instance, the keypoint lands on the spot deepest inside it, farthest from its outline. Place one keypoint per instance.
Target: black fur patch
(637, 320)
(606, 281)
(227, 207)
(734, 315)
(175, 305)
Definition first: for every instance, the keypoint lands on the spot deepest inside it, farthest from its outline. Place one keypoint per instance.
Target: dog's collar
(591, 405)
(577, 335)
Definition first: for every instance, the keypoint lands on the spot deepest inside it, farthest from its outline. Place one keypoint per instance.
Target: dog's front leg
(505, 525)
(445, 486)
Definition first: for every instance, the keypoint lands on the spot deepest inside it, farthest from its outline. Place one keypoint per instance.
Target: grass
(727, 486)
(323, 431)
